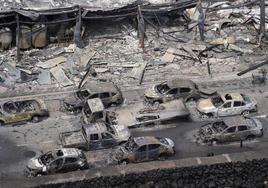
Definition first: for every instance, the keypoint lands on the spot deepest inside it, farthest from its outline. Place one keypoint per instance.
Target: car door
(105, 97)
(225, 109)
(22, 113)
(171, 94)
(243, 132)
(141, 153)
(153, 151)
(55, 166)
(229, 134)
(70, 164)
(237, 109)
(184, 92)
(94, 141)
(107, 140)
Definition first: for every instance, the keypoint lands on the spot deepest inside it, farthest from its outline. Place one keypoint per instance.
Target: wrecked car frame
(12, 112)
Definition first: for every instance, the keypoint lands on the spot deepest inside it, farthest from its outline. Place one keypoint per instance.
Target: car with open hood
(230, 129)
(57, 161)
(141, 149)
(173, 89)
(227, 104)
(16, 111)
(108, 92)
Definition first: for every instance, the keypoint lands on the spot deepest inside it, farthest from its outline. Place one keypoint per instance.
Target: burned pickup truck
(12, 112)
(95, 136)
(136, 115)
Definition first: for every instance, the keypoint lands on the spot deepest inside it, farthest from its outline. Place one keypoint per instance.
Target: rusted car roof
(177, 83)
(235, 120)
(99, 87)
(234, 96)
(95, 105)
(98, 127)
(146, 140)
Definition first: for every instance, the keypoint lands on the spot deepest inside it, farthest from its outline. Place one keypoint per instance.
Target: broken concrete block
(60, 76)
(227, 40)
(44, 77)
(168, 57)
(51, 63)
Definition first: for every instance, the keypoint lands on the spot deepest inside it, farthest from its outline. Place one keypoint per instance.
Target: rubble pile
(173, 48)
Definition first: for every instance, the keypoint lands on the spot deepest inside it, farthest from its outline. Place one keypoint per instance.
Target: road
(21, 142)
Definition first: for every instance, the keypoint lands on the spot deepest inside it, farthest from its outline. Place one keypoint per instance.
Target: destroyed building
(52, 48)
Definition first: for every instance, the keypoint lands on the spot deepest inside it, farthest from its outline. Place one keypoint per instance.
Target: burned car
(108, 92)
(140, 149)
(95, 136)
(230, 129)
(173, 89)
(12, 112)
(226, 105)
(57, 161)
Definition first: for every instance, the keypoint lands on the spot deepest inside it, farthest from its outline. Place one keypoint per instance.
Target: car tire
(162, 157)
(250, 137)
(124, 162)
(213, 141)
(2, 123)
(35, 119)
(245, 113)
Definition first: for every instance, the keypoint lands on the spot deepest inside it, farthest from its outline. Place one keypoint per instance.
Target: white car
(227, 105)
(56, 161)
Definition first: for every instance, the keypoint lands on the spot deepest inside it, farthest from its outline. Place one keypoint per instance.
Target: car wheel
(250, 137)
(162, 157)
(191, 99)
(124, 162)
(213, 141)
(35, 119)
(2, 123)
(245, 113)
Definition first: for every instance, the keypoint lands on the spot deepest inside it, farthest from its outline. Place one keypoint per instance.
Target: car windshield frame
(217, 100)
(163, 87)
(131, 145)
(220, 127)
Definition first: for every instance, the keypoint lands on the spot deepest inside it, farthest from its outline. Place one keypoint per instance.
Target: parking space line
(45, 142)
(198, 160)
(227, 157)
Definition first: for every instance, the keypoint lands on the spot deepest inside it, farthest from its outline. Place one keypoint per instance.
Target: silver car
(59, 160)
(226, 105)
(140, 149)
(230, 129)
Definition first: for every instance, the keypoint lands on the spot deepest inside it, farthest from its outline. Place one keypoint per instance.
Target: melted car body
(230, 129)
(140, 149)
(226, 105)
(12, 112)
(173, 89)
(108, 92)
(56, 161)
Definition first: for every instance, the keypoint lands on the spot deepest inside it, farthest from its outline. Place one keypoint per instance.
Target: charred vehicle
(230, 129)
(174, 89)
(12, 112)
(141, 149)
(108, 92)
(135, 115)
(96, 133)
(226, 105)
(57, 161)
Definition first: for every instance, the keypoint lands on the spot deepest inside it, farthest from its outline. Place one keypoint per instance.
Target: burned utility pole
(77, 31)
(262, 17)
(18, 37)
(201, 20)
(141, 27)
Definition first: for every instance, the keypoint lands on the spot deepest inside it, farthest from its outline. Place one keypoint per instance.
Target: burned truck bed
(141, 114)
